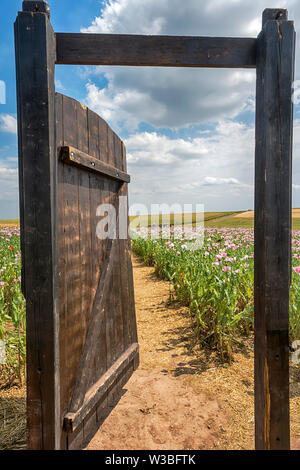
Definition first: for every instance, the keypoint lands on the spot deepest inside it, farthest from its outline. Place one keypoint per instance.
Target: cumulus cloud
(216, 17)
(216, 164)
(215, 168)
(150, 149)
(8, 123)
(8, 184)
(212, 181)
(177, 97)
(172, 98)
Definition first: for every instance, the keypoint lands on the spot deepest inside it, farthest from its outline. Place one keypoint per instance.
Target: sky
(189, 133)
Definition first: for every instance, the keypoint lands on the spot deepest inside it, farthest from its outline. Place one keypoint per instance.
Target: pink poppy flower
(226, 269)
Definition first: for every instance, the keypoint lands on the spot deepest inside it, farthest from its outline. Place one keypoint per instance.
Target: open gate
(81, 329)
(97, 329)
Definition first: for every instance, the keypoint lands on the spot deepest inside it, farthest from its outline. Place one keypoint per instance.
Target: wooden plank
(117, 273)
(94, 336)
(132, 326)
(36, 6)
(74, 156)
(123, 252)
(75, 440)
(111, 199)
(274, 117)
(75, 324)
(73, 419)
(84, 218)
(160, 51)
(274, 14)
(100, 251)
(35, 61)
(62, 259)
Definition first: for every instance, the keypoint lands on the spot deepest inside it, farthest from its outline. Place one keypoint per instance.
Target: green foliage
(177, 219)
(12, 308)
(215, 282)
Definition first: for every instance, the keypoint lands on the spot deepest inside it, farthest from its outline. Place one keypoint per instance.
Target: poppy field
(215, 281)
(12, 309)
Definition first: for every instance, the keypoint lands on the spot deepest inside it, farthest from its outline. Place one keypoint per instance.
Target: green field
(193, 275)
(215, 280)
(211, 220)
(231, 222)
(9, 223)
(12, 308)
(177, 219)
(239, 222)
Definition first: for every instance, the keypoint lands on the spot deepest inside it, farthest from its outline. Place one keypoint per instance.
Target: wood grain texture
(94, 273)
(274, 117)
(35, 62)
(75, 323)
(36, 6)
(274, 14)
(75, 157)
(160, 51)
(105, 383)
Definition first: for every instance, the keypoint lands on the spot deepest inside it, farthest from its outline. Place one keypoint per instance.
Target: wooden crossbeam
(83, 160)
(160, 51)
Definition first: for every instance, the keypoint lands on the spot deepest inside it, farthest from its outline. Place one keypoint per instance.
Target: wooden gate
(98, 339)
(81, 331)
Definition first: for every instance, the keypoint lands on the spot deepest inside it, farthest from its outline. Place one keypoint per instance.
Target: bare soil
(182, 397)
(250, 214)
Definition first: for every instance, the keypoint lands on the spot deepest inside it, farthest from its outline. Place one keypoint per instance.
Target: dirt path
(181, 397)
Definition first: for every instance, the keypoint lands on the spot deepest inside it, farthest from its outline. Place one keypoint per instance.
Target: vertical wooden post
(35, 63)
(273, 185)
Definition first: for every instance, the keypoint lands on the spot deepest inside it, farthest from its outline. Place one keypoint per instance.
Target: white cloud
(8, 184)
(148, 149)
(59, 86)
(171, 98)
(215, 17)
(177, 98)
(215, 168)
(213, 181)
(8, 123)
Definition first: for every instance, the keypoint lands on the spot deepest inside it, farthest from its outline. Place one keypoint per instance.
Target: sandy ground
(250, 214)
(181, 397)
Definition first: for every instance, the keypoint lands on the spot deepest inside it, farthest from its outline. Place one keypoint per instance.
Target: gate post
(273, 187)
(35, 64)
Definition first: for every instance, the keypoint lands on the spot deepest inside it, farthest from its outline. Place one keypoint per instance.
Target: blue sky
(189, 133)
